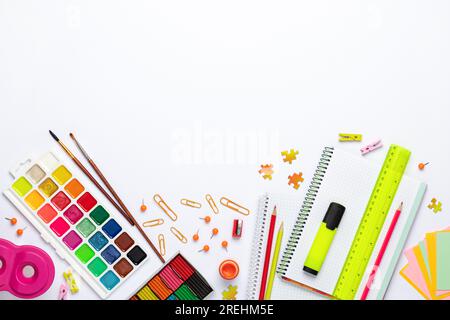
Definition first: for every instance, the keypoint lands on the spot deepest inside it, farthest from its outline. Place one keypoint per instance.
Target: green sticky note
(97, 266)
(99, 215)
(423, 250)
(86, 227)
(84, 253)
(443, 261)
(22, 186)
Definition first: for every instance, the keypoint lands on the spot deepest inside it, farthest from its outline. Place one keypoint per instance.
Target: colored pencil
(382, 251)
(130, 217)
(273, 220)
(273, 267)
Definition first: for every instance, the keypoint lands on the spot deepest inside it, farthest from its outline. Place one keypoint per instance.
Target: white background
(156, 90)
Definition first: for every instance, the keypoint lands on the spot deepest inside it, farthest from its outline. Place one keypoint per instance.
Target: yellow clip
(153, 223)
(350, 137)
(190, 203)
(234, 206)
(70, 280)
(212, 203)
(163, 205)
(177, 233)
(162, 244)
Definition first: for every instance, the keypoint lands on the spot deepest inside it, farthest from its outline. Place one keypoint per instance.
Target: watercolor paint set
(84, 232)
(177, 280)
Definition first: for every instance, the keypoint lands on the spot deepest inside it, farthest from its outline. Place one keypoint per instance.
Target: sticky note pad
(443, 261)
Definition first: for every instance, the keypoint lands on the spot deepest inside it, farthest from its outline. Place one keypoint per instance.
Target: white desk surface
(184, 98)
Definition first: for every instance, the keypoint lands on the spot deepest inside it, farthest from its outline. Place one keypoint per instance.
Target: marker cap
(334, 215)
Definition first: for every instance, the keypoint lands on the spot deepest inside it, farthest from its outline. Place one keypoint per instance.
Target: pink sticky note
(413, 273)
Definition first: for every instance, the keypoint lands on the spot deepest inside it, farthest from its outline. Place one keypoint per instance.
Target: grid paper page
(349, 181)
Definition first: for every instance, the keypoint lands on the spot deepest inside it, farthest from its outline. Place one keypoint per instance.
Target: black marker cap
(311, 271)
(334, 215)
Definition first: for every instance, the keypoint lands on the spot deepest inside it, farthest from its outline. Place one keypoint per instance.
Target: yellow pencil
(273, 267)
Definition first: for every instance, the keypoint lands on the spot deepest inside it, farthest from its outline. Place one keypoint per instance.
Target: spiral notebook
(347, 179)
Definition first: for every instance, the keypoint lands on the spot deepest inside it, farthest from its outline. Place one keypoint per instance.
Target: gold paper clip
(234, 206)
(177, 233)
(169, 212)
(162, 244)
(212, 204)
(153, 223)
(190, 203)
(70, 280)
(344, 137)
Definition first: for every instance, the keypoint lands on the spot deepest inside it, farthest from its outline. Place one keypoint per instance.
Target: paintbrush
(101, 175)
(114, 193)
(91, 177)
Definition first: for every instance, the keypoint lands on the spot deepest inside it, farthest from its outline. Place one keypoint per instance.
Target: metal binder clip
(371, 147)
(344, 137)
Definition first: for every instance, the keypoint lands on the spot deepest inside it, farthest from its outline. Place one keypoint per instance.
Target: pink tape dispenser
(25, 271)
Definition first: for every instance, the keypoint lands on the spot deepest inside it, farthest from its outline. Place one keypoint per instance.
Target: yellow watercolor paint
(48, 187)
(62, 175)
(22, 186)
(34, 200)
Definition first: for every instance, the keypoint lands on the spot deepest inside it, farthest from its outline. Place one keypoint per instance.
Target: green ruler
(372, 223)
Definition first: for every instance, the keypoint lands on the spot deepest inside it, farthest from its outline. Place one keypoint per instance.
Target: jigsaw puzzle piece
(295, 180)
(266, 171)
(435, 205)
(289, 156)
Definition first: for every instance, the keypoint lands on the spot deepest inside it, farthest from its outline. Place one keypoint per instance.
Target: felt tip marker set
(72, 220)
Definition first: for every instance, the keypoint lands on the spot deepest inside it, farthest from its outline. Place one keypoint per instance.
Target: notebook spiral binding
(257, 249)
(308, 203)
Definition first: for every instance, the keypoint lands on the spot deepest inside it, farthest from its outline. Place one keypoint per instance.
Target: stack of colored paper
(428, 268)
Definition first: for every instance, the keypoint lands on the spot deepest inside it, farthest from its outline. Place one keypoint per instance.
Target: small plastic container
(229, 269)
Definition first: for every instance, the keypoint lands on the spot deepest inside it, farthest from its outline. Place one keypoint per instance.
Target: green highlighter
(324, 238)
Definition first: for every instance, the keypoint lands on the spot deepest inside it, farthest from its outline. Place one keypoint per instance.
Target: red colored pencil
(382, 252)
(273, 220)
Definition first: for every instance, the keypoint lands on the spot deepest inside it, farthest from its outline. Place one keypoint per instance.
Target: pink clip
(63, 292)
(371, 147)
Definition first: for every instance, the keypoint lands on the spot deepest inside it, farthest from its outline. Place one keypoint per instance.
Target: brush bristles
(53, 135)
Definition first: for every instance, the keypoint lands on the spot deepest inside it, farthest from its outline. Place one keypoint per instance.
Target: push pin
(225, 245)
(13, 221)
(195, 237)
(20, 231)
(143, 206)
(215, 232)
(423, 165)
(207, 219)
(205, 248)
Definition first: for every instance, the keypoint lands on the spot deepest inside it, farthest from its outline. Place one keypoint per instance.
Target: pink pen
(382, 252)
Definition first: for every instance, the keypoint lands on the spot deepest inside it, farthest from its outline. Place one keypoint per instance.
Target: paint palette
(71, 219)
(177, 280)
